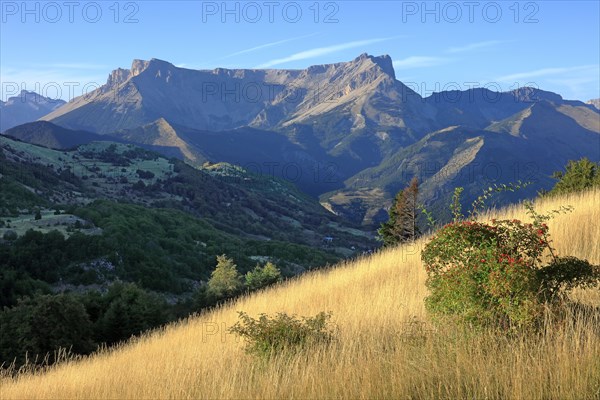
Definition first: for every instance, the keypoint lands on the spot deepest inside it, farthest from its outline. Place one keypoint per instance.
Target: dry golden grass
(385, 348)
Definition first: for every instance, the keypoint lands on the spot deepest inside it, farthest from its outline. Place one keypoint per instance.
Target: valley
(299, 200)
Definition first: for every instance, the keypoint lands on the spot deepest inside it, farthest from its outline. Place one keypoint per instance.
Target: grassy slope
(378, 354)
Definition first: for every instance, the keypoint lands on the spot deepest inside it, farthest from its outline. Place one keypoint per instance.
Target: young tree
(579, 175)
(261, 277)
(402, 223)
(391, 231)
(225, 280)
(412, 206)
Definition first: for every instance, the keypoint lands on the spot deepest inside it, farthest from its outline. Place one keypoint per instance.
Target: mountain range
(349, 133)
(26, 107)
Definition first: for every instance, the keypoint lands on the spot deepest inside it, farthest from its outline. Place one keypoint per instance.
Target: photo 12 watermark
(211, 330)
(294, 172)
(53, 12)
(454, 171)
(454, 12)
(260, 92)
(471, 92)
(253, 12)
(37, 91)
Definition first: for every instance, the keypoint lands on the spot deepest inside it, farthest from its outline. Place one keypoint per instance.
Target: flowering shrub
(495, 274)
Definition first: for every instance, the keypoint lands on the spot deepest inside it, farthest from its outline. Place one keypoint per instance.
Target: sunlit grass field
(385, 346)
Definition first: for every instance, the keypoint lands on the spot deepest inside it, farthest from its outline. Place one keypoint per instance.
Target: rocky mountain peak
(384, 62)
(531, 94)
(595, 103)
(26, 96)
(118, 76)
(139, 66)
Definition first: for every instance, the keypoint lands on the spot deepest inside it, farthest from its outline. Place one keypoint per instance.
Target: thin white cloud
(320, 51)
(78, 66)
(578, 82)
(545, 72)
(267, 45)
(419, 62)
(474, 46)
(246, 51)
(578, 85)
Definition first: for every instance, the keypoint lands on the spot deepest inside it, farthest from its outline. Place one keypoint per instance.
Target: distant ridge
(26, 107)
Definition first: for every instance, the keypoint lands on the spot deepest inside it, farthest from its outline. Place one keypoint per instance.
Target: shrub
(269, 336)
(477, 271)
(495, 273)
(144, 174)
(139, 185)
(264, 276)
(564, 274)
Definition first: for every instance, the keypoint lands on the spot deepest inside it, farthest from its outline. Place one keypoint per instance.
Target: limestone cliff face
(226, 99)
(117, 77)
(138, 66)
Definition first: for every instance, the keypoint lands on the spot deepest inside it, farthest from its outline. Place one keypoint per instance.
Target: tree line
(36, 327)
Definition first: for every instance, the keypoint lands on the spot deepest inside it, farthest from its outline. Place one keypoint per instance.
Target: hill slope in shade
(46, 134)
(385, 348)
(265, 152)
(528, 146)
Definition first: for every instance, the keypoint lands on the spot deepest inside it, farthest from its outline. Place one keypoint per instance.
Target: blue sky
(65, 49)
